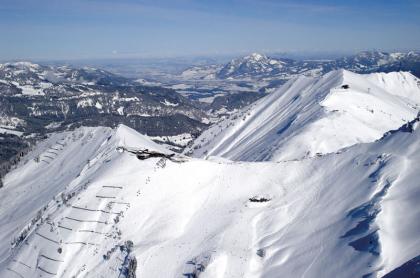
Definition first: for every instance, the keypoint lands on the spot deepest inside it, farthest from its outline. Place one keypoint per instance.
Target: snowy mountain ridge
(51, 175)
(259, 67)
(340, 166)
(314, 115)
(117, 216)
(38, 99)
(255, 63)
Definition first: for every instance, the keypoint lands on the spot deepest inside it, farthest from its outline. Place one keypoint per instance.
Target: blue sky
(74, 29)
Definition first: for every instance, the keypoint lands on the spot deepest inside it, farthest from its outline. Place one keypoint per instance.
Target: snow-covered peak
(374, 61)
(252, 65)
(24, 64)
(312, 116)
(256, 57)
(22, 67)
(259, 67)
(25, 72)
(75, 207)
(371, 54)
(59, 167)
(128, 137)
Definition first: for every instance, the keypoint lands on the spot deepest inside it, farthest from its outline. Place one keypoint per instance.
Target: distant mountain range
(58, 96)
(259, 66)
(37, 99)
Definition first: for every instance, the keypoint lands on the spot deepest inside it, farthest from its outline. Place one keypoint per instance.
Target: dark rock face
(132, 266)
(12, 149)
(408, 127)
(257, 199)
(410, 269)
(129, 266)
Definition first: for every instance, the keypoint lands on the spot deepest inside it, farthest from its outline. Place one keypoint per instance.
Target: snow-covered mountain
(75, 92)
(377, 61)
(37, 99)
(258, 66)
(28, 73)
(76, 206)
(309, 116)
(341, 164)
(201, 72)
(252, 65)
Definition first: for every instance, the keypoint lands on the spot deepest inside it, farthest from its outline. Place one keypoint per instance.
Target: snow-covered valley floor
(77, 207)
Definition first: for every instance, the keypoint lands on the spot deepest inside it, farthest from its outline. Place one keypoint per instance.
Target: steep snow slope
(309, 116)
(43, 174)
(332, 216)
(56, 165)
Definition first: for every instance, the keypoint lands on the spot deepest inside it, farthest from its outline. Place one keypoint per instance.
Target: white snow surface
(10, 131)
(309, 116)
(194, 216)
(30, 90)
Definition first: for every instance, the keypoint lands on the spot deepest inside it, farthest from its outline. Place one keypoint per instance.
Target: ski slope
(93, 211)
(310, 116)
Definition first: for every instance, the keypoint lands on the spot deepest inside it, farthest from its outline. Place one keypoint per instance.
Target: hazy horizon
(218, 57)
(93, 29)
